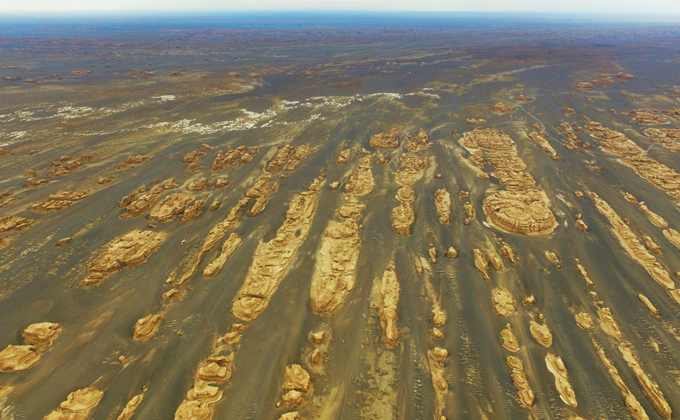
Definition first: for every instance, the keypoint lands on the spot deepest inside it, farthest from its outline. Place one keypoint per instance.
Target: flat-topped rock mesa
(193, 156)
(475, 121)
(282, 155)
(301, 152)
(41, 334)
(419, 143)
(170, 207)
(632, 245)
(78, 405)
(557, 368)
(412, 170)
(133, 161)
(145, 328)
(386, 298)
(526, 394)
(502, 108)
(15, 223)
(442, 202)
(638, 116)
(32, 183)
(343, 157)
(17, 358)
(649, 387)
(385, 140)
(126, 251)
(522, 211)
(230, 157)
(297, 386)
(58, 201)
(272, 259)
(503, 301)
(668, 137)
(228, 247)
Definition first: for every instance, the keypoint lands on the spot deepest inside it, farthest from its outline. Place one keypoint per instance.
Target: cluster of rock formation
(78, 405)
(335, 267)
(241, 154)
(133, 161)
(37, 338)
(58, 201)
(385, 140)
(519, 208)
(502, 108)
(412, 170)
(442, 201)
(668, 137)
(643, 117)
(126, 251)
(540, 138)
(272, 259)
(386, 300)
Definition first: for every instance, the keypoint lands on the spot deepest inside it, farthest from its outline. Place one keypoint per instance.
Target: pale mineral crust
(58, 201)
(557, 368)
(526, 394)
(228, 247)
(15, 223)
(387, 301)
(280, 158)
(503, 301)
(145, 328)
(631, 402)
(632, 245)
(301, 152)
(272, 259)
(169, 208)
(385, 140)
(649, 387)
(126, 251)
(541, 334)
(443, 203)
(78, 405)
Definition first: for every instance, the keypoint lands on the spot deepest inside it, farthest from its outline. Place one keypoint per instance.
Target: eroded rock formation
(170, 207)
(526, 394)
(387, 301)
(649, 387)
(78, 405)
(228, 247)
(58, 201)
(557, 368)
(443, 203)
(385, 140)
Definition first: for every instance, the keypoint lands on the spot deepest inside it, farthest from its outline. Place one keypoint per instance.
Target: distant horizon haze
(600, 7)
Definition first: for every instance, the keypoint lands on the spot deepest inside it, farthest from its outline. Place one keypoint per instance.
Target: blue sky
(653, 7)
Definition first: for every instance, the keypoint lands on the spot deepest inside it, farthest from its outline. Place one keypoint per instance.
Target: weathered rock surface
(15, 223)
(481, 263)
(193, 211)
(18, 358)
(170, 207)
(520, 211)
(385, 140)
(78, 405)
(343, 157)
(649, 387)
(198, 185)
(271, 259)
(541, 334)
(131, 406)
(145, 328)
(526, 394)
(228, 247)
(133, 161)
(41, 334)
(58, 201)
(557, 368)
(443, 203)
(503, 302)
(584, 321)
(387, 299)
(280, 158)
(509, 340)
(301, 152)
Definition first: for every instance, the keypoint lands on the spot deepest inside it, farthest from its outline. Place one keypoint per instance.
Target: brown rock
(146, 327)
(170, 207)
(541, 334)
(503, 302)
(228, 247)
(58, 201)
(385, 140)
(557, 368)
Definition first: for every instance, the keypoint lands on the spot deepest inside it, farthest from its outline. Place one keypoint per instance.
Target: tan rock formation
(271, 259)
(228, 247)
(41, 334)
(145, 328)
(126, 251)
(223, 161)
(193, 211)
(584, 321)
(15, 223)
(32, 183)
(520, 211)
(495, 260)
(78, 405)
(193, 156)
(607, 323)
(58, 201)
(198, 185)
(133, 161)
(583, 272)
(673, 236)
(441, 386)
(508, 253)
(443, 203)
(297, 386)
(343, 157)
(501, 108)
(385, 140)
(361, 181)
(541, 334)
(18, 358)
(335, 269)
(612, 141)
(451, 252)
(649, 387)
(540, 138)
(280, 158)
(557, 368)
(653, 217)
(131, 406)
(526, 394)
(503, 301)
(475, 121)
(403, 217)
(387, 299)
(648, 303)
(668, 137)
(194, 410)
(631, 402)
(632, 245)
(141, 203)
(651, 245)
(481, 264)
(552, 257)
(638, 116)
(301, 152)
(509, 340)
(170, 207)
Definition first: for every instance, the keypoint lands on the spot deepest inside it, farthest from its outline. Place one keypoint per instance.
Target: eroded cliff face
(271, 259)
